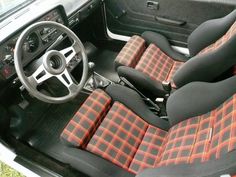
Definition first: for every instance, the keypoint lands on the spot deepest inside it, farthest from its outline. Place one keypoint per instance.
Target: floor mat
(46, 137)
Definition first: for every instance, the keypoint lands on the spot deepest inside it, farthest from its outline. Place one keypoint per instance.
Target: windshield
(7, 7)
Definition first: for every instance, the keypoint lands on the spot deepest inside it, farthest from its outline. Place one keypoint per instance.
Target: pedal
(23, 104)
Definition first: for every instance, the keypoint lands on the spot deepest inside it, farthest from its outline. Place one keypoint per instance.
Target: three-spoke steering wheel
(46, 70)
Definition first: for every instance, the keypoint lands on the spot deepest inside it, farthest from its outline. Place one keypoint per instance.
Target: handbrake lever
(148, 100)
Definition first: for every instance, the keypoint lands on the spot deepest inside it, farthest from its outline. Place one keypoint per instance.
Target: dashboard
(34, 44)
(66, 13)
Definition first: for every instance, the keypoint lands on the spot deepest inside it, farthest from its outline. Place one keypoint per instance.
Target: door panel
(175, 19)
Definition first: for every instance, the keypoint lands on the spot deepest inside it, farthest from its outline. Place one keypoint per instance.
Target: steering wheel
(47, 70)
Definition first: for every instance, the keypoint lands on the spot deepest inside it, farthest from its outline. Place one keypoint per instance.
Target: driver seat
(114, 134)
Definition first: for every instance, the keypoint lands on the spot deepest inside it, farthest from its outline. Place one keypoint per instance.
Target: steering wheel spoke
(70, 52)
(66, 79)
(39, 76)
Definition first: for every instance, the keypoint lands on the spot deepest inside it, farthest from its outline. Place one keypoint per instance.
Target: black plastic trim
(38, 169)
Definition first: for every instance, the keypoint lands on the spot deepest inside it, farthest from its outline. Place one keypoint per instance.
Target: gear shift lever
(91, 66)
(96, 80)
(92, 83)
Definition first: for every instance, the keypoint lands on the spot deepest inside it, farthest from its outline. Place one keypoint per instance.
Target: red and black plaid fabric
(128, 141)
(149, 151)
(131, 52)
(224, 130)
(180, 143)
(202, 138)
(230, 33)
(157, 65)
(119, 136)
(85, 122)
(173, 70)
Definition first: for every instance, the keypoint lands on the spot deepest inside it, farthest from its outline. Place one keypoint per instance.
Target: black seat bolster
(198, 98)
(117, 65)
(142, 82)
(213, 168)
(134, 102)
(161, 42)
(92, 165)
(209, 32)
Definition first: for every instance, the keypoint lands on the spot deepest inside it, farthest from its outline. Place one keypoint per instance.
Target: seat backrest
(211, 62)
(216, 45)
(209, 32)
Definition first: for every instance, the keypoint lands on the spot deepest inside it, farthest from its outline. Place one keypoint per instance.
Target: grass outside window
(6, 171)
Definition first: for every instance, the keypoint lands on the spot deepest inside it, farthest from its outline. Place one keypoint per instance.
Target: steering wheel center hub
(54, 62)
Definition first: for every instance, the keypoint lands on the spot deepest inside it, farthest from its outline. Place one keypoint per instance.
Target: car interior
(120, 88)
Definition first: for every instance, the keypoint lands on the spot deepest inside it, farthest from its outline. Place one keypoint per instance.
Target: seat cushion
(119, 136)
(127, 140)
(150, 149)
(157, 65)
(86, 120)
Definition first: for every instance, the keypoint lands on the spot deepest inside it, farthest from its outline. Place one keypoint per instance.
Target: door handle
(170, 21)
(154, 5)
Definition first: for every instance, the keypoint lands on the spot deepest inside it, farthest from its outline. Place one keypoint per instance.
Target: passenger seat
(148, 60)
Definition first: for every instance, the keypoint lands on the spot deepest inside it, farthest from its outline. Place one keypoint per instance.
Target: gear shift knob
(91, 65)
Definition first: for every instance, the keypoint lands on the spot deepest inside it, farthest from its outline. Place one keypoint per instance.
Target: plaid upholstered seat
(105, 126)
(152, 56)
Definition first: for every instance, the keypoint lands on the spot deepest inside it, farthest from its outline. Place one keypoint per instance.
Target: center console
(96, 81)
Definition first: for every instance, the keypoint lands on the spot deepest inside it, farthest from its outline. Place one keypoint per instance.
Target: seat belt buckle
(167, 86)
(159, 100)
